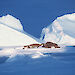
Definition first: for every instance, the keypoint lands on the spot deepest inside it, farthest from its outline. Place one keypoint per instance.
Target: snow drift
(61, 31)
(11, 32)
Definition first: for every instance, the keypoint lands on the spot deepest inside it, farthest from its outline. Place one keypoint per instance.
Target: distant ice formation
(11, 32)
(61, 31)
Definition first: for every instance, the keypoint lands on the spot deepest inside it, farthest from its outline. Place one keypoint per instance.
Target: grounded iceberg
(12, 34)
(61, 31)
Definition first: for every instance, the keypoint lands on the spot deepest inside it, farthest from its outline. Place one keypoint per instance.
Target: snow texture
(33, 52)
(14, 60)
(11, 32)
(61, 31)
(13, 39)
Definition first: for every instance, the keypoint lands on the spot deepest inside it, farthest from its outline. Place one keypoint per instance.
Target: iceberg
(61, 31)
(12, 33)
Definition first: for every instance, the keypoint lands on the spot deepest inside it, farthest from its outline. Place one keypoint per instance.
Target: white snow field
(61, 31)
(33, 52)
(14, 60)
(11, 32)
(13, 38)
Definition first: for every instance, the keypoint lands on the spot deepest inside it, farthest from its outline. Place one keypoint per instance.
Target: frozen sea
(49, 64)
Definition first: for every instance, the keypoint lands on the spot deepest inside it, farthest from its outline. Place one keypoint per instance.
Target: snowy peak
(61, 31)
(12, 22)
(11, 33)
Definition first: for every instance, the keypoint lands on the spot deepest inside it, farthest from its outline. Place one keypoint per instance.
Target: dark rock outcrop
(50, 44)
(45, 45)
(32, 46)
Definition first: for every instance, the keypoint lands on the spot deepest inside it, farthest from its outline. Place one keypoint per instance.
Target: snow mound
(61, 31)
(11, 22)
(11, 32)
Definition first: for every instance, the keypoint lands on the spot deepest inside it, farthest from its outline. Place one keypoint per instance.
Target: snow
(33, 52)
(13, 38)
(61, 31)
(11, 22)
(35, 61)
(11, 33)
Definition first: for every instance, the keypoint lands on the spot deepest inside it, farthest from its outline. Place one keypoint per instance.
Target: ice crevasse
(61, 31)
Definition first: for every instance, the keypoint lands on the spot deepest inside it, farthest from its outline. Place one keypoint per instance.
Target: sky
(36, 14)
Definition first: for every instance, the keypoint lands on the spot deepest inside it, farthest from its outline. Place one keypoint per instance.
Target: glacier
(61, 31)
(12, 33)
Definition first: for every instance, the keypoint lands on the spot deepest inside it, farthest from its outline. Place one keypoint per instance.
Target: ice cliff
(61, 31)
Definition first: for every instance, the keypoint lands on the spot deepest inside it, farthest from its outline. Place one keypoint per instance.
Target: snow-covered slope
(11, 32)
(61, 31)
(12, 22)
